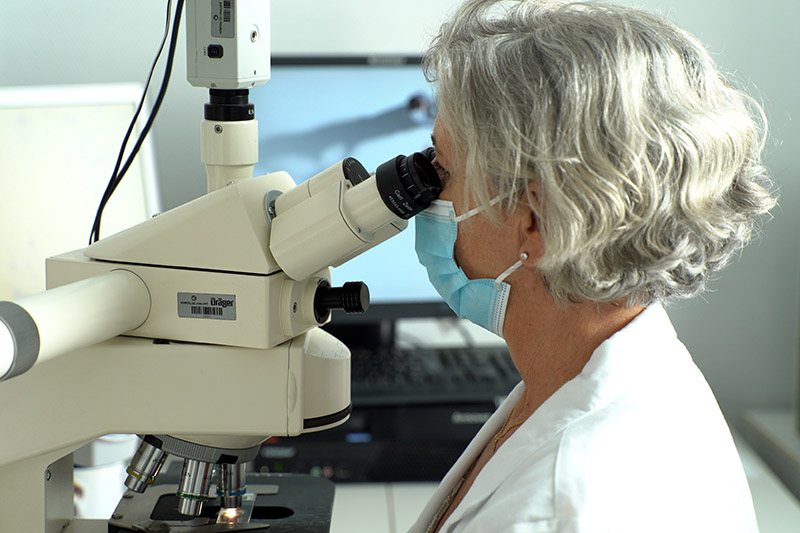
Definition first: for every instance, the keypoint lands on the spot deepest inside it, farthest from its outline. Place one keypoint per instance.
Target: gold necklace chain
(505, 430)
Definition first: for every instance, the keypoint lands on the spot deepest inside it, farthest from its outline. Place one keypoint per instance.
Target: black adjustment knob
(352, 297)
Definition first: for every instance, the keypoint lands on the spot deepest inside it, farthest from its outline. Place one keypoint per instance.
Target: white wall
(742, 334)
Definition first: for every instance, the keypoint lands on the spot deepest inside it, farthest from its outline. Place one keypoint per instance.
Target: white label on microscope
(210, 306)
(222, 21)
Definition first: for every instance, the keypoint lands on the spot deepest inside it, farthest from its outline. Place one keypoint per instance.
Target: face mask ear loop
(507, 273)
(476, 210)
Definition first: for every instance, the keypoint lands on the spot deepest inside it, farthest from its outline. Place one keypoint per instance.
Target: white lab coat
(635, 443)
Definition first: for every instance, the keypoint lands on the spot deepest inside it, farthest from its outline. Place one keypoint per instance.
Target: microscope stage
(276, 503)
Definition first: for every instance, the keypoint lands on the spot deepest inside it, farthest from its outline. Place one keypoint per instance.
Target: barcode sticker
(222, 18)
(210, 306)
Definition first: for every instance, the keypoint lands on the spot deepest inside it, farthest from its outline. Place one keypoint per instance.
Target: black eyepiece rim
(408, 184)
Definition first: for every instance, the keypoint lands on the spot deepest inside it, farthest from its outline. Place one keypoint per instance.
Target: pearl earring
(523, 256)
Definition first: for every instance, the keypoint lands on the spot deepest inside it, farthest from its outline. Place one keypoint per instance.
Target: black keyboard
(392, 376)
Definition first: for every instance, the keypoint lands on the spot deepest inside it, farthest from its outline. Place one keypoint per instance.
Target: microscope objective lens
(193, 489)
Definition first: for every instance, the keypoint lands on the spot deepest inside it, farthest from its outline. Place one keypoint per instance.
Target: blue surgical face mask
(481, 301)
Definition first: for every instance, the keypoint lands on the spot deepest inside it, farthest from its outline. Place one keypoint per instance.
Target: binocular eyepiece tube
(344, 211)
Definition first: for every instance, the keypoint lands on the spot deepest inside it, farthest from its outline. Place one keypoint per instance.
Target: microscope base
(278, 502)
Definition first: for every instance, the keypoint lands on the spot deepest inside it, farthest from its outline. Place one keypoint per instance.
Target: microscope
(198, 330)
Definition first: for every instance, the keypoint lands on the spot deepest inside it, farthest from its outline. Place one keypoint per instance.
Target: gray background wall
(743, 333)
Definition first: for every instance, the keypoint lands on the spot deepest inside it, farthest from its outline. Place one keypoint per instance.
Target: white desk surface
(394, 507)
(378, 507)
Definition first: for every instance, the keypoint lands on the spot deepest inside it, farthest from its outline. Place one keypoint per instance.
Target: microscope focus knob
(352, 297)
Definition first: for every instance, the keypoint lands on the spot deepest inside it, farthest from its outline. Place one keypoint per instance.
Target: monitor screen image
(315, 112)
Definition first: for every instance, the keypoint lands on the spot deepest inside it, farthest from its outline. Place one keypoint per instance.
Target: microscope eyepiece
(408, 184)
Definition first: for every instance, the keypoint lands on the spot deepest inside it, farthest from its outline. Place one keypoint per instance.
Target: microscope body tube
(327, 227)
(73, 316)
(229, 150)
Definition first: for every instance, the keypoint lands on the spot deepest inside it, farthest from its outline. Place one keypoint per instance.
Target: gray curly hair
(648, 161)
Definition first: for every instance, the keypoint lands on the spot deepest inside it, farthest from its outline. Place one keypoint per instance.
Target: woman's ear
(530, 228)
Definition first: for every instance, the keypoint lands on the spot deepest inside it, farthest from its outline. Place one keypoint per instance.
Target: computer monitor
(316, 111)
(58, 147)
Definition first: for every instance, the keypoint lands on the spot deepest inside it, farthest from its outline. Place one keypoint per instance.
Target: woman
(594, 164)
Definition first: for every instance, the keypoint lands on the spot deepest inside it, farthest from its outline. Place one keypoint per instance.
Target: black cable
(118, 174)
(114, 175)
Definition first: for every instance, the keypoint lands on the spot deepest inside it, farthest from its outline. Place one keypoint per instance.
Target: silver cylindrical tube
(194, 485)
(232, 484)
(144, 467)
